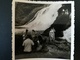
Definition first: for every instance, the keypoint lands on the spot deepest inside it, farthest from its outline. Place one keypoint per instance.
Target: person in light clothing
(52, 34)
(28, 44)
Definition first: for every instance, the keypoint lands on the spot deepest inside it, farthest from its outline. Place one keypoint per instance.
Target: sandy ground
(53, 52)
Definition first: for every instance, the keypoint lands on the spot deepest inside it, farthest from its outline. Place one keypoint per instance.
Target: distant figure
(28, 44)
(52, 35)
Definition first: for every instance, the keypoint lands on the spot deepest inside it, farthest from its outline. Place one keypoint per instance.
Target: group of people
(33, 42)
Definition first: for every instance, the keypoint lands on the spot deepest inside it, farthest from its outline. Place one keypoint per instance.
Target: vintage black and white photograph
(42, 30)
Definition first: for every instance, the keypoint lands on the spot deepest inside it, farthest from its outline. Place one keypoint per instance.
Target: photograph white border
(43, 2)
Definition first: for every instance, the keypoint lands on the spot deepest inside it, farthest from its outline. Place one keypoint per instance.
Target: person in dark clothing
(35, 40)
(42, 40)
(25, 34)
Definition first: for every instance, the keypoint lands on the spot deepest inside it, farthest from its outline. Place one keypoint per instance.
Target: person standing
(25, 34)
(52, 35)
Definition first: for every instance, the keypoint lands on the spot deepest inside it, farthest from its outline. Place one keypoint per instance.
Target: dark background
(5, 29)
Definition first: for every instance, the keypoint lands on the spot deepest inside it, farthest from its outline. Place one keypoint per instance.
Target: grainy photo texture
(42, 30)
